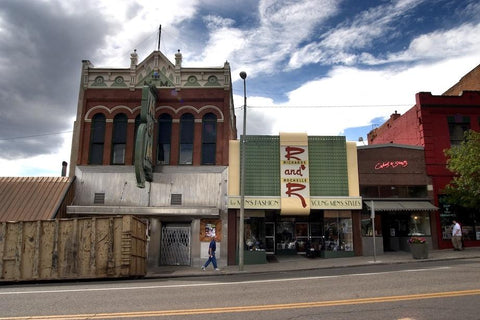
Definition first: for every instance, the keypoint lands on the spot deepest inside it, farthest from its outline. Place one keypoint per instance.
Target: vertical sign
(144, 144)
(294, 174)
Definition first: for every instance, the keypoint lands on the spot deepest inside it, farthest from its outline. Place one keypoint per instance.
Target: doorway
(175, 247)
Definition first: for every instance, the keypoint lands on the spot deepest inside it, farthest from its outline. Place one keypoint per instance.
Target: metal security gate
(175, 246)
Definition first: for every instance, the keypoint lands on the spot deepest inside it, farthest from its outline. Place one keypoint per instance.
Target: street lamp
(243, 75)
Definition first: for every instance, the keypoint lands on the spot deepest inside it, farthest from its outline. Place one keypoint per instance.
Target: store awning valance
(401, 205)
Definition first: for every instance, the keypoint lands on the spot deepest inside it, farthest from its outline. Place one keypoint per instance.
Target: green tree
(464, 161)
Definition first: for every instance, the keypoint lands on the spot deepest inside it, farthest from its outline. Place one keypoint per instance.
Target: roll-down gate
(175, 246)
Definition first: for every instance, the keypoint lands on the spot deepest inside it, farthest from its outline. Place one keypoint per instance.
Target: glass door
(301, 236)
(270, 237)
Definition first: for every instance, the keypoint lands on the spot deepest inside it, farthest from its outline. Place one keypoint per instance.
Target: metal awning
(401, 205)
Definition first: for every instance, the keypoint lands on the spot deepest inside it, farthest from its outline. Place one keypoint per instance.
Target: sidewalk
(300, 262)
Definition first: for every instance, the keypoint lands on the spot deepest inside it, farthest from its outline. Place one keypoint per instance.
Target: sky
(324, 67)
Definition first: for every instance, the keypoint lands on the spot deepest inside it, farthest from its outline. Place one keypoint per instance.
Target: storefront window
(255, 234)
(284, 235)
(301, 234)
(419, 224)
(338, 231)
(467, 218)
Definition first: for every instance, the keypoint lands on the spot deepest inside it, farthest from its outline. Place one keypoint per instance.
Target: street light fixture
(243, 75)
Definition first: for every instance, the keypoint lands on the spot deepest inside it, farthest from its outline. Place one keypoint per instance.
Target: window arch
(97, 139)
(164, 138)
(209, 138)
(187, 124)
(119, 138)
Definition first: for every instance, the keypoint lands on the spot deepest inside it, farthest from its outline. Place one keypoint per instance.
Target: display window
(419, 224)
(338, 231)
(285, 235)
(301, 235)
(254, 234)
(467, 218)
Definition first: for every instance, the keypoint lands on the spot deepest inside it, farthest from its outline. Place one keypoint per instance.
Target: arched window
(209, 138)
(119, 138)
(97, 139)
(164, 138)
(187, 124)
(137, 124)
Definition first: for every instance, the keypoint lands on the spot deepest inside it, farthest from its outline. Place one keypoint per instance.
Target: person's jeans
(213, 260)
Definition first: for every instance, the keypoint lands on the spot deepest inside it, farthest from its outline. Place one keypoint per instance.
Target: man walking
(211, 255)
(456, 236)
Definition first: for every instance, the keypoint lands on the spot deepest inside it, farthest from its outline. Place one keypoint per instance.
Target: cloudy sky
(324, 67)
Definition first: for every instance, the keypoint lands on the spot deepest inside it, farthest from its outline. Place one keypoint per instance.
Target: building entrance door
(270, 237)
(175, 245)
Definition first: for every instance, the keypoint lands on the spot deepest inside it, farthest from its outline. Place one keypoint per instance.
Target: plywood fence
(79, 248)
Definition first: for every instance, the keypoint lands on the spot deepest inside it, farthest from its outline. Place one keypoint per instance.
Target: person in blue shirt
(211, 255)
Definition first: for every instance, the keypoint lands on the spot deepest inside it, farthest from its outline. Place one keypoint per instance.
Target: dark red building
(394, 186)
(437, 123)
(109, 113)
(191, 120)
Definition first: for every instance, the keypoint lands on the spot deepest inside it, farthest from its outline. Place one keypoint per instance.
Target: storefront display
(255, 241)
(338, 233)
(325, 231)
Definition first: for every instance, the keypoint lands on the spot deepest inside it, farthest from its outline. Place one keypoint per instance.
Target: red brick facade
(197, 91)
(429, 124)
(111, 102)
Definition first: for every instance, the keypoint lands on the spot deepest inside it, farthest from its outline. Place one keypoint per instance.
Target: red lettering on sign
(295, 172)
(291, 151)
(292, 187)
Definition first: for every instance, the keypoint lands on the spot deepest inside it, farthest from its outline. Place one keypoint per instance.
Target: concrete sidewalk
(300, 262)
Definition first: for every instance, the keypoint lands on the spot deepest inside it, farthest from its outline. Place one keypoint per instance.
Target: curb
(200, 273)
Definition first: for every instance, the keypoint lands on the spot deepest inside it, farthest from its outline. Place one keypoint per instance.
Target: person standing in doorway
(211, 255)
(456, 236)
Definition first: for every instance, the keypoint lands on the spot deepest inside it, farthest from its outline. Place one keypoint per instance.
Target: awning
(401, 205)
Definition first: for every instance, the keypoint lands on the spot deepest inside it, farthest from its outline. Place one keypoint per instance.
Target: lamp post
(241, 228)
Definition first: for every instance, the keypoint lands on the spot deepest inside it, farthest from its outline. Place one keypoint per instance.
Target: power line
(327, 106)
(36, 135)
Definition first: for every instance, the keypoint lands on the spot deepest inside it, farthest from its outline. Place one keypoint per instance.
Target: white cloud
(282, 26)
(361, 95)
(457, 42)
(139, 20)
(364, 28)
(48, 165)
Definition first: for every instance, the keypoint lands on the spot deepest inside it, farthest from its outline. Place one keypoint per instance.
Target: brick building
(395, 186)
(437, 123)
(193, 121)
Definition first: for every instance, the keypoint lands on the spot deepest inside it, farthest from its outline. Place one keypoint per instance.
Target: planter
(419, 250)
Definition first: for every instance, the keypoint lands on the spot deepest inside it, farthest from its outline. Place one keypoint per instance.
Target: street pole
(241, 228)
(373, 230)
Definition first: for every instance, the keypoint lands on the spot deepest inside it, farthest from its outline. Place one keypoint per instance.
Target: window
(119, 139)
(457, 125)
(391, 191)
(164, 138)
(187, 124)
(209, 138)
(338, 231)
(97, 139)
(419, 224)
(466, 217)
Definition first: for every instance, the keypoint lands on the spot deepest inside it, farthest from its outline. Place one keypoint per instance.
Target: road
(426, 290)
